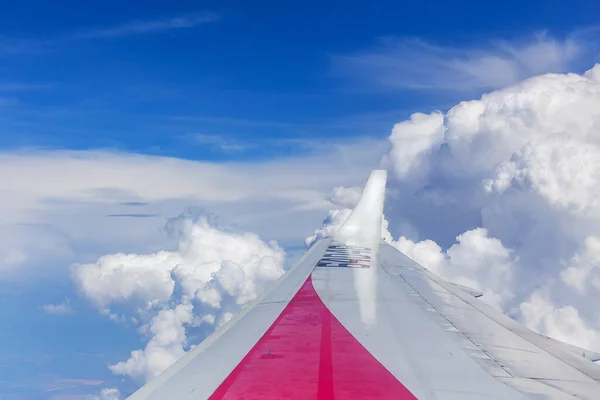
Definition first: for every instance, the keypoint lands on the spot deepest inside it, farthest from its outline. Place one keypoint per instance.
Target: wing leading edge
(357, 319)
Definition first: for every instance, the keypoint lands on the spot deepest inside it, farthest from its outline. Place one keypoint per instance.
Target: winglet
(363, 226)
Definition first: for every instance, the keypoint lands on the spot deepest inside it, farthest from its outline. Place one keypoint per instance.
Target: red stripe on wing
(308, 354)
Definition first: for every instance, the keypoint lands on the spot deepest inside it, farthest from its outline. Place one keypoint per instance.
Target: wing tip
(363, 226)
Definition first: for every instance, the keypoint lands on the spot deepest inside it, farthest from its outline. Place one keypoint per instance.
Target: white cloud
(109, 394)
(149, 26)
(63, 308)
(330, 225)
(14, 257)
(411, 140)
(475, 260)
(593, 74)
(167, 344)
(562, 323)
(345, 197)
(514, 177)
(217, 142)
(412, 63)
(583, 268)
(211, 275)
(51, 199)
(503, 192)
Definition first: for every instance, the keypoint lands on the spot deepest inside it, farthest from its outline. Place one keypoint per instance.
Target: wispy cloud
(146, 27)
(217, 142)
(22, 45)
(63, 308)
(20, 87)
(86, 382)
(35, 45)
(415, 64)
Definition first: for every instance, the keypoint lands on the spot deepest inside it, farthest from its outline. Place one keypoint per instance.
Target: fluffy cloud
(167, 344)
(108, 394)
(582, 268)
(475, 260)
(345, 197)
(330, 225)
(563, 323)
(204, 282)
(502, 193)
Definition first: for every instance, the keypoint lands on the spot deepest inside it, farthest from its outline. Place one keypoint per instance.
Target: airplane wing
(357, 319)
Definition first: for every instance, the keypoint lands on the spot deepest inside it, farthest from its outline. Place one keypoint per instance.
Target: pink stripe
(325, 390)
(308, 354)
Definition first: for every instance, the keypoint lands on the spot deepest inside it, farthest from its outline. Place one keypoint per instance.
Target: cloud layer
(45, 221)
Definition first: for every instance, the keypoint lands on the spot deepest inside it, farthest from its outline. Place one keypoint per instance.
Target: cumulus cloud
(108, 394)
(475, 260)
(167, 344)
(501, 193)
(209, 277)
(582, 269)
(411, 140)
(467, 68)
(63, 308)
(562, 323)
(345, 197)
(330, 225)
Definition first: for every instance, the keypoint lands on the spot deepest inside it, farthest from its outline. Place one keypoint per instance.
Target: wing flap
(579, 351)
(534, 359)
(472, 292)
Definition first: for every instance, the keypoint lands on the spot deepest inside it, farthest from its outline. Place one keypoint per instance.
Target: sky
(161, 163)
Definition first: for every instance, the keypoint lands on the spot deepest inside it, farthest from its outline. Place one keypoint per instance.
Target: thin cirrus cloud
(218, 142)
(20, 45)
(146, 27)
(416, 64)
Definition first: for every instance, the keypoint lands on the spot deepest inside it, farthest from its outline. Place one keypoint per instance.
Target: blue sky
(129, 76)
(224, 82)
